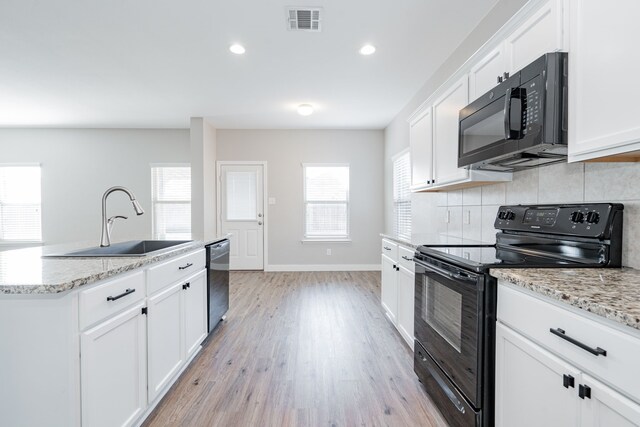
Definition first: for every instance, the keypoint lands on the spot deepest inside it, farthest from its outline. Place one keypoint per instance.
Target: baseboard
(323, 267)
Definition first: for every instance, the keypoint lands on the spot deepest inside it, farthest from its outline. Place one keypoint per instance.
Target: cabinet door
(195, 312)
(606, 407)
(389, 291)
(541, 33)
(529, 384)
(602, 111)
(164, 328)
(445, 132)
(113, 370)
(406, 291)
(421, 140)
(483, 76)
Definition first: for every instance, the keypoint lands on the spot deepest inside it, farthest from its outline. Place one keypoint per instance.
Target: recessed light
(238, 49)
(305, 109)
(367, 49)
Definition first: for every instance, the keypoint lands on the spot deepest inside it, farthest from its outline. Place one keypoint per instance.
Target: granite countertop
(418, 239)
(25, 271)
(613, 293)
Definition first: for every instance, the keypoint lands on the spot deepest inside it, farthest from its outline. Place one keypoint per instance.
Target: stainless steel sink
(133, 248)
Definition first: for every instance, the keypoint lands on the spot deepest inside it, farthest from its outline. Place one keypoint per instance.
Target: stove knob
(502, 215)
(577, 216)
(509, 215)
(593, 217)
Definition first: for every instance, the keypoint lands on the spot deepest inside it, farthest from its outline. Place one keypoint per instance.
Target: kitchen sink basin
(131, 248)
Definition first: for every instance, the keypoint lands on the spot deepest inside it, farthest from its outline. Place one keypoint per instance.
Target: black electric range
(455, 295)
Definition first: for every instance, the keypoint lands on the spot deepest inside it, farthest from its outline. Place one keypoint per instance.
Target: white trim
(326, 240)
(323, 267)
(170, 165)
(265, 204)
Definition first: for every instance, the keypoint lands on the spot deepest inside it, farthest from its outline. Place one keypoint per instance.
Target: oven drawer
(405, 258)
(455, 409)
(390, 249)
(535, 318)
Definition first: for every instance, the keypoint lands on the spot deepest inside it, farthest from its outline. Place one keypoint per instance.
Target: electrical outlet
(328, 251)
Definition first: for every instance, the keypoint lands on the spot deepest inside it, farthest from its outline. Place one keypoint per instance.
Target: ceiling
(156, 63)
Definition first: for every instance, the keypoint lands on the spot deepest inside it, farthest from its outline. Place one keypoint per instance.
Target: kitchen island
(96, 341)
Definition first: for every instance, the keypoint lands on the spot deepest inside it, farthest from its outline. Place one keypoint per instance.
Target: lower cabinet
(195, 313)
(538, 386)
(397, 290)
(114, 370)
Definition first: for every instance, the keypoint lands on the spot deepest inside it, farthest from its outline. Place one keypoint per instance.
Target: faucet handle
(113, 218)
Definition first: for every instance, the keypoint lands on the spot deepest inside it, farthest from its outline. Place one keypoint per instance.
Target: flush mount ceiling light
(367, 49)
(305, 109)
(238, 49)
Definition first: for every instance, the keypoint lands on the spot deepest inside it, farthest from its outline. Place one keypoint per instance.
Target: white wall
(285, 151)
(78, 165)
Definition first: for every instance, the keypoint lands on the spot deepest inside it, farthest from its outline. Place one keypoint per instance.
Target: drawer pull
(407, 258)
(124, 294)
(387, 249)
(184, 267)
(595, 351)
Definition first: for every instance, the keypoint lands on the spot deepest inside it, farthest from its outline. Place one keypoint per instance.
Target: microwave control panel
(531, 101)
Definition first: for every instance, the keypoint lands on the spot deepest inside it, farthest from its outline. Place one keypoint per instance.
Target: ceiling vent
(304, 19)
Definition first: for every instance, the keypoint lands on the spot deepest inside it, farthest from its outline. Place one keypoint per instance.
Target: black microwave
(521, 123)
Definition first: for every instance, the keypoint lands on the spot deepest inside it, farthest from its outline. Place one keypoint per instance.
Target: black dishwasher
(217, 281)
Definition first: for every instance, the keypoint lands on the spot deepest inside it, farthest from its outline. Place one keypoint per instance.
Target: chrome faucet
(105, 239)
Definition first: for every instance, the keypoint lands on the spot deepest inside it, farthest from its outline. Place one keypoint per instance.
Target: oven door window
(443, 312)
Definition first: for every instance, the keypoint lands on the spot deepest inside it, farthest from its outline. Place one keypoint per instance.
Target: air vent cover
(304, 19)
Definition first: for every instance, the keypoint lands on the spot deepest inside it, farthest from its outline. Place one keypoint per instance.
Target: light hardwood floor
(301, 349)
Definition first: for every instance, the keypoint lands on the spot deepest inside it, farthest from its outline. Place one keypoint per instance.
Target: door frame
(265, 204)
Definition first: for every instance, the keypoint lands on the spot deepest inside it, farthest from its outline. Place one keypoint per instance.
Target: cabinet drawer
(173, 270)
(390, 249)
(405, 258)
(534, 317)
(104, 300)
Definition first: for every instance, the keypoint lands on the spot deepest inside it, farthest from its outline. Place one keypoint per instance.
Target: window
(326, 202)
(402, 195)
(171, 202)
(20, 212)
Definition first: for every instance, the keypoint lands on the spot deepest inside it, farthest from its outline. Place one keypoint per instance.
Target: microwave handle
(512, 93)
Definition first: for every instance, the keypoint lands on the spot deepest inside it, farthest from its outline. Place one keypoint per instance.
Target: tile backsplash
(470, 213)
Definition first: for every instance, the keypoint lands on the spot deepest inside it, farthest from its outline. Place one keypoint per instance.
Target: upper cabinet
(541, 33)
(603, 122)
(484, 74)
(421, 138)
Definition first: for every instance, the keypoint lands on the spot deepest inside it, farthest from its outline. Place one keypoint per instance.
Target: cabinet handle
(595, 351)
(407, 258)
(584, 391)
(184, 267)
(124, 294)
(568, 381)
(186, 285)
(387, 249)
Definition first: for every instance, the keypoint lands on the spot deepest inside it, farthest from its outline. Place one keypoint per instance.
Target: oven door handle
(454, 276)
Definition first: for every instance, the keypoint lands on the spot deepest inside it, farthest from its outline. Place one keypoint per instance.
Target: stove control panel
(584, 220)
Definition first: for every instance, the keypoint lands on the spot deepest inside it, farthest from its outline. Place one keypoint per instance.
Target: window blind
(326, 200)
(171, 202)
(402, 196)
(20, 205)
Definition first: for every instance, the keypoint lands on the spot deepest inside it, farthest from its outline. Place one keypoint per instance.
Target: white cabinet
(543, 32)
(165, 338)
(536, 369)
(529, 384)
(421, 141)
(397, 291)
(114, 370)
(445, 132)
(177, 325)
(389, 291)
(484, 74)
(603, 118)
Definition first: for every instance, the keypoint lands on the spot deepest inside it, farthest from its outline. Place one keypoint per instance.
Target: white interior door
(242, 215)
